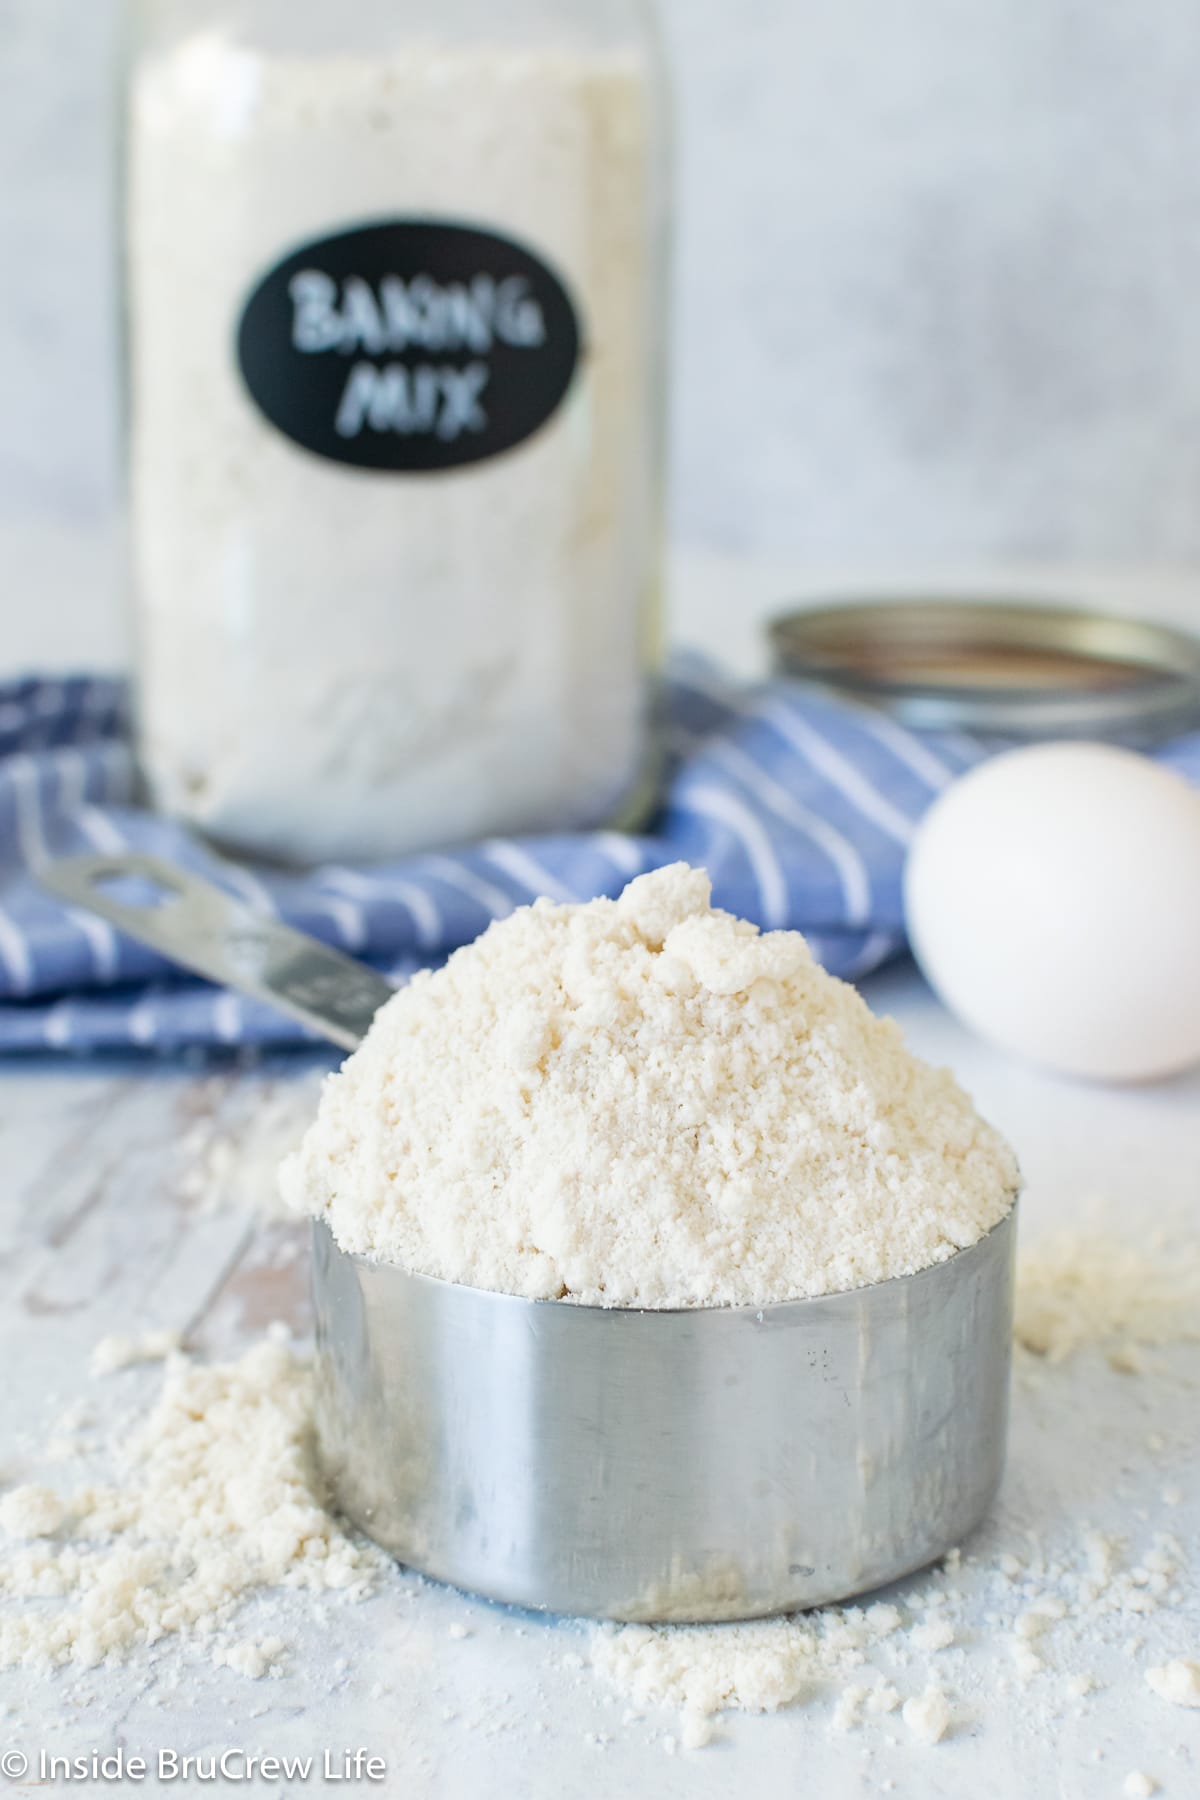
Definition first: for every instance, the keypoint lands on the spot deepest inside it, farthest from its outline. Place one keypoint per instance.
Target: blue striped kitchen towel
(800, 807)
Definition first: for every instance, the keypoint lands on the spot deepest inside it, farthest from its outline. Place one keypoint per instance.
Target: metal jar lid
(1020, 670)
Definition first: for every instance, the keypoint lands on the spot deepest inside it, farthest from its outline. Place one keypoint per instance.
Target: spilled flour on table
(1083, 1288)
(1049, 1613)
(701, 1670)
(219, 1498)
(1178, 1681)
(121, 1352)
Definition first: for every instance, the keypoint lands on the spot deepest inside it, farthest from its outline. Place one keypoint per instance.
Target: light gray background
(935, 300)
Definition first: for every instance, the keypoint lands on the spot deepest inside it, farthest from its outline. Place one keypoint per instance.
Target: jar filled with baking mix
(394, 277)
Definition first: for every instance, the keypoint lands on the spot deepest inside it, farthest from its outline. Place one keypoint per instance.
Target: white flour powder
(927, 1716)
(645, 1102)
(756, 1667)
(122, 1352)
(220, 1499)
(342, 662)
(1178, 1682)
(1083, 1287)
(1044, 1615)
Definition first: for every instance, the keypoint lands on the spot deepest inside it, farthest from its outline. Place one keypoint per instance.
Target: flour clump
(1178, 1682)
(646, 1102)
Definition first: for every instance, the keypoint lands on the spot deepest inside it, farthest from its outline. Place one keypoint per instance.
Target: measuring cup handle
(198, 925)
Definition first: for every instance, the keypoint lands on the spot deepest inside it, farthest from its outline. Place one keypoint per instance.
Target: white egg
(1053, 902)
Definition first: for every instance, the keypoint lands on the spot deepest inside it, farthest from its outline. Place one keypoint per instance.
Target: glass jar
(394, 281)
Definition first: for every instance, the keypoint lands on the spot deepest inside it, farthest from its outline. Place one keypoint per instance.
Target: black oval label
(409, 345)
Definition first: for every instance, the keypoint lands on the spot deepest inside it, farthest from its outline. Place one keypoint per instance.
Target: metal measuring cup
(696, 1464)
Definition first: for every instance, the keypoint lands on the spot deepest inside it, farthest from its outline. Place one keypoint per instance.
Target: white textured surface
(938, 264)
(935, 299)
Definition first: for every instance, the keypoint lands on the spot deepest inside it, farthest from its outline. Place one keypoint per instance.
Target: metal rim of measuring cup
(695, 1465)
